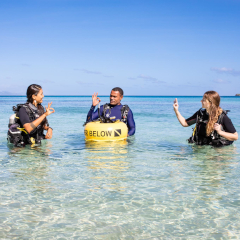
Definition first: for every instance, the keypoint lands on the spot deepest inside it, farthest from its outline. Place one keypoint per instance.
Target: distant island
(238, 94)
(3, 93)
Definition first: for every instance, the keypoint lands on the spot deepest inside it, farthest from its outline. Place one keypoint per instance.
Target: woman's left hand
(49, 133)
(217, 127)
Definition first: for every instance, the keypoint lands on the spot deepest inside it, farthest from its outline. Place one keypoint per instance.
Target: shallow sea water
(152, 186)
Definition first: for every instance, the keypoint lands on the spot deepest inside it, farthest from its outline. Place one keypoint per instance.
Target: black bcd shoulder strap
(124, 112)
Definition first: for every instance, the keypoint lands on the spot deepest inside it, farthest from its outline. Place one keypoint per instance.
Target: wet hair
(118, 89)
(214, 110)
(34, 89)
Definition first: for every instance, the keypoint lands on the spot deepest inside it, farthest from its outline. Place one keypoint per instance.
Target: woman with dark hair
(213, 126)
(33, 117)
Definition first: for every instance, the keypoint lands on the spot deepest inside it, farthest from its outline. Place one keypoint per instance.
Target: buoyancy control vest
(17, 134)
(106, 116)
(214, 139)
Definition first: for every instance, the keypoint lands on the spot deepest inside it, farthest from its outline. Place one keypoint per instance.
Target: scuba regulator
(104, 119)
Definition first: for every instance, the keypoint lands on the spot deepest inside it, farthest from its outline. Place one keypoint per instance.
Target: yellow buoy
(96, 131)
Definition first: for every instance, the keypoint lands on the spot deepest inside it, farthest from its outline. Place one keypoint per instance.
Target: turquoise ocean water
(152, 186)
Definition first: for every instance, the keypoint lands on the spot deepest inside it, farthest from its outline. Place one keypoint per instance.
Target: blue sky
(77, 47)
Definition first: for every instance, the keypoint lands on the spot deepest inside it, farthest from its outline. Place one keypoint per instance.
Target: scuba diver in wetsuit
(213, 126)
(112, 111)
(29, 121)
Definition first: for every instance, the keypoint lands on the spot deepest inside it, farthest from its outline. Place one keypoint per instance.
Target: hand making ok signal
(48, 109)
(95, 99)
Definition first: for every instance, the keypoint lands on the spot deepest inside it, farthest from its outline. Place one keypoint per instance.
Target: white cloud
(221, 81)
(93, 72)
(89, 83)
(145, 77)
(187, 86)
(46, 81)
(108, 76)
(90, 72)
(225, 70)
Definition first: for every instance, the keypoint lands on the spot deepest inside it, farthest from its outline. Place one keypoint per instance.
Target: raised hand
(175, 105)
(95, 99)
(48, 109)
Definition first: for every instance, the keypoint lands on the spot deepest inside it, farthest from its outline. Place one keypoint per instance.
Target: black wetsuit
(201, 131)
(25, 118)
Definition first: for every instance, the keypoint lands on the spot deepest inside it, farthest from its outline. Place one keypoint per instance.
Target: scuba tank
(12, 120)
(17, 135)
(14, 134)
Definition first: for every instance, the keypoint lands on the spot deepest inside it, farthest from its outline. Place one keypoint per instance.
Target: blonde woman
(213, 126)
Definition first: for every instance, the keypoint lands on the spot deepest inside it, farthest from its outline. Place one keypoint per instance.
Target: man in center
(113, 110)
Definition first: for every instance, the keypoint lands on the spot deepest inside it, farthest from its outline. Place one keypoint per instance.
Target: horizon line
(124, 96)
